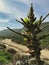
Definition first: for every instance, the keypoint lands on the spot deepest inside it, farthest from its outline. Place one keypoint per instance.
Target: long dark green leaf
(45, 17)
(23, 20)
(18, 32)
(40, 20)
(19, 22)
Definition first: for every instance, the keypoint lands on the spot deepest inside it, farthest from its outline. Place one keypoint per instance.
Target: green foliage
(26, 20)
(3, 59)
(25, 39)
(5, 56)
(45, 43)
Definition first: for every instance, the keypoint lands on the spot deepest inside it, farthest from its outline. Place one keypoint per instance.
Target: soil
(23, 49)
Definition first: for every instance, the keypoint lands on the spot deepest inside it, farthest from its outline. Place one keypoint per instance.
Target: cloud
(17, 13)
(26, 2)
(3, 8)
(23, 1)
(41, 7)
(2, 28)
(8, 8)
(4, 15)
(1, 5)
(4, 20)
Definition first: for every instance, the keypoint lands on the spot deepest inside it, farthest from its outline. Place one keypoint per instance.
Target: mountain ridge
(6, 32)
(19, 39)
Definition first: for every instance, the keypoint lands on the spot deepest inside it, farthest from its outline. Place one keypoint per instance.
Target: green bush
(5, 56)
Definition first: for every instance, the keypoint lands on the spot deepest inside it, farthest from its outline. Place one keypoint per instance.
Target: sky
(16, 9)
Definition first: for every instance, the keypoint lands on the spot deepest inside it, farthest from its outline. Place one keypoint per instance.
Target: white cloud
(3, 8)
(2, 28)
(14, 12)
(23, 1)
(1, 5)
(4, 20)
(17, 13)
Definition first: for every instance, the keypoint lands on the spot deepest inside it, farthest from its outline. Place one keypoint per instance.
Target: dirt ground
(45, 53)
(23, 49)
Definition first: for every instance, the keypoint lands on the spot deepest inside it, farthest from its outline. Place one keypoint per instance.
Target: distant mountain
(8, 33)
(17, 38)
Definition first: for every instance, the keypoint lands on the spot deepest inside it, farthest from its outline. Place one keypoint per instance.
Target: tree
(31, 35)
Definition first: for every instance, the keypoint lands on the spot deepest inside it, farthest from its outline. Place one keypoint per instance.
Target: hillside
(8, 33)
(17, 38)
(45, 42)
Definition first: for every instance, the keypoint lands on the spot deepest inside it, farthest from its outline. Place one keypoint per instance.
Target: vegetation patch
(5, 56)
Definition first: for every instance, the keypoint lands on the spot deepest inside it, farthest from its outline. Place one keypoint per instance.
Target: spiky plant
(33, 29)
